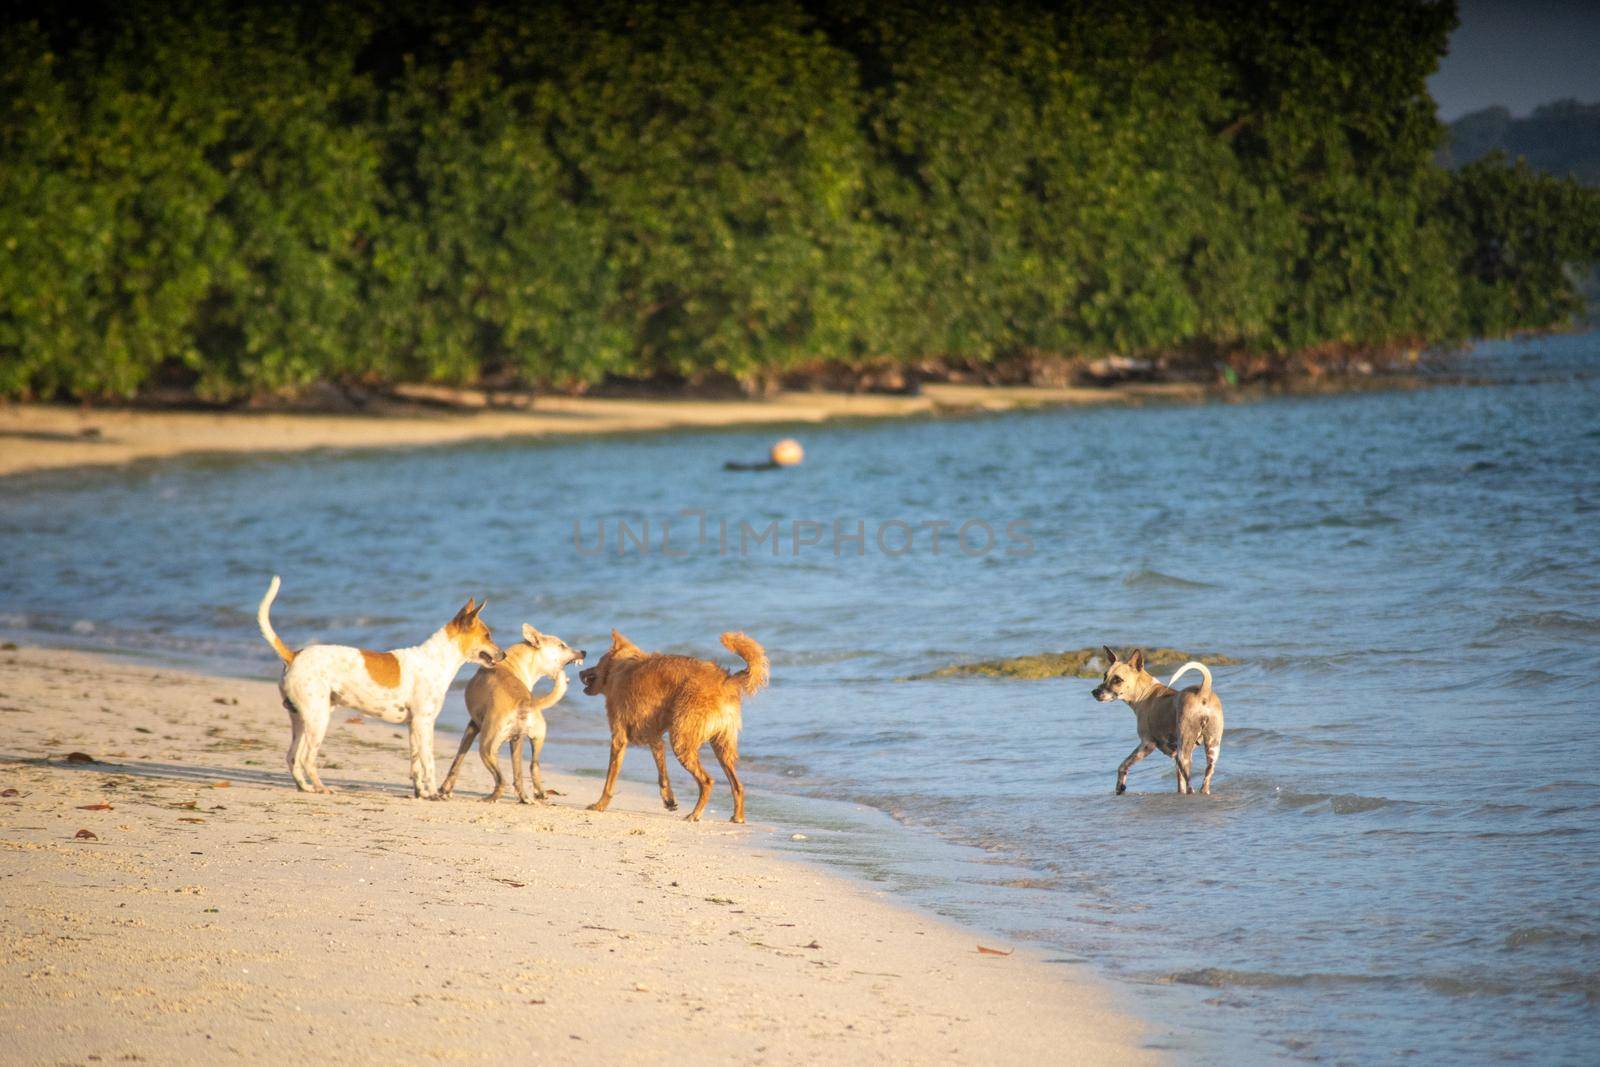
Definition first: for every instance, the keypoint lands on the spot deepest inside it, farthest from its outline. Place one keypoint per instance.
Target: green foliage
(1515, 232)
(241, 198)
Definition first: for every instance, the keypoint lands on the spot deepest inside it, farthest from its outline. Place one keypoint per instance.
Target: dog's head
(548, 654)
(472, 636)
(1122, 675)
(597, 678)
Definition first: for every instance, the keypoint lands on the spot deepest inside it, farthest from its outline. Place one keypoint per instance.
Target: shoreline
(40, 437)
(244, 917)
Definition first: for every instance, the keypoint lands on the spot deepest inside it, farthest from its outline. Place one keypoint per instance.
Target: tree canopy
(240, 198)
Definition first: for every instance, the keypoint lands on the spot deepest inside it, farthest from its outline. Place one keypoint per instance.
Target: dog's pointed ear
(467, 609)
(1111, 655)
(619, 641)
(1136, 661)
(475, 612)
(532, 636)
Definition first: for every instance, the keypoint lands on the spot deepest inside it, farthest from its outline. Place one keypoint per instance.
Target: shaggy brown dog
(689, 701)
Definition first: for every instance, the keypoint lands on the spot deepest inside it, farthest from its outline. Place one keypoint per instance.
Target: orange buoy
(788, 453)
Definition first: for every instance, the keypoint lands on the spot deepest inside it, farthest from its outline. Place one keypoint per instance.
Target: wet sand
(215, 913)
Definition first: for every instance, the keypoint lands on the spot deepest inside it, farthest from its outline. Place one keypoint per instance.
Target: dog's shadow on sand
(198, 774)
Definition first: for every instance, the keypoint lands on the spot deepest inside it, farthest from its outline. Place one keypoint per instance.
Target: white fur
(1192, 665)
(322, 677)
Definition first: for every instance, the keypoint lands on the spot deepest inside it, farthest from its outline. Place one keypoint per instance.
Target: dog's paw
(672, 805)
(737, 818)
(596, 806)
(692, 817)
(1122, 787)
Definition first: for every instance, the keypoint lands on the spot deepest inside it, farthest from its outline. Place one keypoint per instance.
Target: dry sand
(40, 436)
(216, 914)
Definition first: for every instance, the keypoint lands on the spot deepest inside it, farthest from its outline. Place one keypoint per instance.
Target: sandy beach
(176, 901)
(45, 436)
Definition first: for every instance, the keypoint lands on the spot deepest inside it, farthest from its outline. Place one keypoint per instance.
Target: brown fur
(467, 630)
(1171, 720)
(503, 708)
(689, 702)
(383, 667)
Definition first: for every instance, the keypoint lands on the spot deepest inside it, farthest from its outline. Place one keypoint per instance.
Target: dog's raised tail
(1192, 665)
(285, 653)
(755, 673)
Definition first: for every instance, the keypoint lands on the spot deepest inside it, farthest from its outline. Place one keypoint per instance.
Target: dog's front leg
(619, 745)
(420, 736)
(1144, 749)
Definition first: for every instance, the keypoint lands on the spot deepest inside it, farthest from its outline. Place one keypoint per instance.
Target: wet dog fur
(653, 698)
(1171, 720)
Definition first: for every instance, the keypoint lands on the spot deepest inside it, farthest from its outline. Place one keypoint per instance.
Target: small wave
(1338, 803)
(1445, 984)
(1149, 579)
(1560, 622)
(1532, 936)
(1223, 977)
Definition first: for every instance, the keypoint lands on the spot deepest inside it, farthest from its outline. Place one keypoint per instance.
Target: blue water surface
(1402, 854)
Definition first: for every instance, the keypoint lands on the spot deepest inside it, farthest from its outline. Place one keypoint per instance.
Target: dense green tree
(245, 197)
(1516, 234)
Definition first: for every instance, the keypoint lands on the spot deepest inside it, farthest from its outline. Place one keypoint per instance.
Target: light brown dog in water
(1173, 721)
(687, 701)
(503, 708)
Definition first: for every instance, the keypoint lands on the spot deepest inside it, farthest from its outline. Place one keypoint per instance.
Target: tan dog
(1173, 721)
(503, 708)
(690, 701)
(406, 685)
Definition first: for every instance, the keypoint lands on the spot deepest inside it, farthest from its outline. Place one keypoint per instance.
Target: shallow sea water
(1401, 859)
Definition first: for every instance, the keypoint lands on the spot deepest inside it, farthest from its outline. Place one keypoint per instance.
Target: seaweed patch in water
(1080, 663)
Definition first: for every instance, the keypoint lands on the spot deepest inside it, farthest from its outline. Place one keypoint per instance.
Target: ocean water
(1401, 858)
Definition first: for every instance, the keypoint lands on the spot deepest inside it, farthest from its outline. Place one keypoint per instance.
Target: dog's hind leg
(489, 752)
(1135, 756)
(690, 758)
(1182, 758)
(314, 716)
(517, 776)
(619, 746)
(1212, 751)
(468, 735)
(727, 752)
(297, 735)
(659, 751)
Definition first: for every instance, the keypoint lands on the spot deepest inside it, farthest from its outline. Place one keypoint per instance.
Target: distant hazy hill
(1562, 138)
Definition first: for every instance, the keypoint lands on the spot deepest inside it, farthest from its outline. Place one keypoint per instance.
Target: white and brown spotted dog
(407, 685)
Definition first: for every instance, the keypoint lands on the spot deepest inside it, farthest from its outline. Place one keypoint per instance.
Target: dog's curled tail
(755, 673)
(285, 653)
(1192, 665)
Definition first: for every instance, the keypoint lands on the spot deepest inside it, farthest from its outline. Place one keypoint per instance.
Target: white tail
(283, 650)
(1192, 665)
